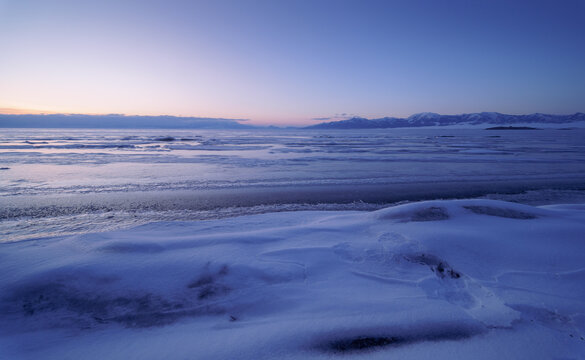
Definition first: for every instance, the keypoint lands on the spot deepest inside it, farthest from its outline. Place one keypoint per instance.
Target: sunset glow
(277, 62)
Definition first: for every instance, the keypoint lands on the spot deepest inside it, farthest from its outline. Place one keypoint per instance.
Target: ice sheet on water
(286, 154)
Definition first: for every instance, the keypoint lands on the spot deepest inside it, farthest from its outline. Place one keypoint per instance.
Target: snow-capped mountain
(434, 119)
(424, 116)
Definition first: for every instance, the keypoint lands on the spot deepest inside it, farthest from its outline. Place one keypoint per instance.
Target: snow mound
(440, 210)
(434, 279)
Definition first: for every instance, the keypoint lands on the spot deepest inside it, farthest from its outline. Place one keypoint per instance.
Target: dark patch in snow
(209, 277)
(432, 213)
(132, 247)
(212, 290)
(72, 297)
(440, 267)
(208, 284)
(500, 212)
(86, 301)
(363, 342)
(377, 339)
(166, 138)
(4, 168)
(65, 304)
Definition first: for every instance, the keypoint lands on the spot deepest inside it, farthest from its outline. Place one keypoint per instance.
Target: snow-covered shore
(479, 279)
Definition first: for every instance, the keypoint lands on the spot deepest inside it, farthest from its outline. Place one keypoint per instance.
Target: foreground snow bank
(465, 279)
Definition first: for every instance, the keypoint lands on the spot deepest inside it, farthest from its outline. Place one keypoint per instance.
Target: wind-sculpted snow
(479, 279)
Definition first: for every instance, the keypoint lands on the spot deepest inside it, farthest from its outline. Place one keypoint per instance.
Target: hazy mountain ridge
(433, 119)
(427, 119)
(117, 121)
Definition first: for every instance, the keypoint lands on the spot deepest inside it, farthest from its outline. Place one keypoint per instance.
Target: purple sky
(288, 62)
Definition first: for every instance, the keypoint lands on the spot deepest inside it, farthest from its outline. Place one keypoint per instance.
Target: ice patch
(500, 212)
(368, 340)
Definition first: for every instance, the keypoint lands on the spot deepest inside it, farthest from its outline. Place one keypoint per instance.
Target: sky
(292, 62)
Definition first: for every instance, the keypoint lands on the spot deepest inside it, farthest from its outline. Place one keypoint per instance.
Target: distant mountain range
(433, 119)
(117, 121)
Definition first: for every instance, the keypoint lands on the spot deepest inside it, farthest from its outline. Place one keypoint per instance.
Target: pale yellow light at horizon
(267, 120)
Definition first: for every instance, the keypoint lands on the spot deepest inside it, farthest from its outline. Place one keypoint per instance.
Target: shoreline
(210, 199)
(40, 216)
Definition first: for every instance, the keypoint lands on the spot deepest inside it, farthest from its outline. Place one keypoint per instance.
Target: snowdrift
(477, 279)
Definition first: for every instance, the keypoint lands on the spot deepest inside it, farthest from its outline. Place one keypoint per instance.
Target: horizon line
(32, 112)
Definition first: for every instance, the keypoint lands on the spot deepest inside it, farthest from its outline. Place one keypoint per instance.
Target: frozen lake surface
(71, 181)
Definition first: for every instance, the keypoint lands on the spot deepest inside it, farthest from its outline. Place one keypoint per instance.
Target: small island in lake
(512, 128)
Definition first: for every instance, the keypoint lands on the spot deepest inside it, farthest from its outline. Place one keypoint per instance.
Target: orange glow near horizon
(243, 119)
(16, 111)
